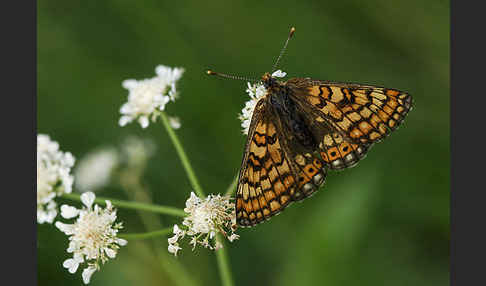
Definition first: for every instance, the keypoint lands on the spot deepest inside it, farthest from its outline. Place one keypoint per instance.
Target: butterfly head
(269, 81)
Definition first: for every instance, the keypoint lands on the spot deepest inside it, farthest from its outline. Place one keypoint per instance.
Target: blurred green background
(384, 222)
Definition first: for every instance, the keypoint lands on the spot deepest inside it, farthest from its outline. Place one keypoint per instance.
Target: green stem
(182, 155)
(223, 264)
(171, 266)
(145, 235)
(132, 205)
(177, 272)
(232, 187)
(221, 255)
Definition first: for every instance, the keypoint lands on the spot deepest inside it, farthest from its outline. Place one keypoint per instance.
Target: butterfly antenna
(210, 72)
(292, 31)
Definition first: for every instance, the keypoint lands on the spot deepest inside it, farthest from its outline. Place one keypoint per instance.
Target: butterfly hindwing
(340, 152)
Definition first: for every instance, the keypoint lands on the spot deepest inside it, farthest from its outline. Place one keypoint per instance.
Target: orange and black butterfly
(301, 129)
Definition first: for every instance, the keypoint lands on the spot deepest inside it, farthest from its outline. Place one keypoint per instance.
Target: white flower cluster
(256, 92)
(147, 97)
(92, 237)
(53, 177)
(136, 151)
(94, 170)
(215, 214)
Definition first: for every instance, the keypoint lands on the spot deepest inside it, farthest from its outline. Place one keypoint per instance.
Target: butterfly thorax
(279, 96)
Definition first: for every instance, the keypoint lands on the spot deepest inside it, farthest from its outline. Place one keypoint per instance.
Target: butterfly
(303, 127)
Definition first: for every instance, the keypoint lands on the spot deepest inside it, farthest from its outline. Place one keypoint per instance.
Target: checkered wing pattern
(348, 118)
(275, 170)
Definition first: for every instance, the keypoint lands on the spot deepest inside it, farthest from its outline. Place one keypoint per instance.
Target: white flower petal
(129, 83)
(110, 252)
(69, 211)
(71, 265)
(72, 248)
(161, 70)
(88, 199)
(279, 73)
(87, 273)
(66, 228)
(124, 120)
(173, 239)
(126, 108)
(144, 121)
(173, 248)
(121, 242)
(78, 257)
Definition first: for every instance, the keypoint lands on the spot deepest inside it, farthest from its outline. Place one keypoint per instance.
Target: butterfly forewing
(266, 181)
(276, 169)
(348, 118)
